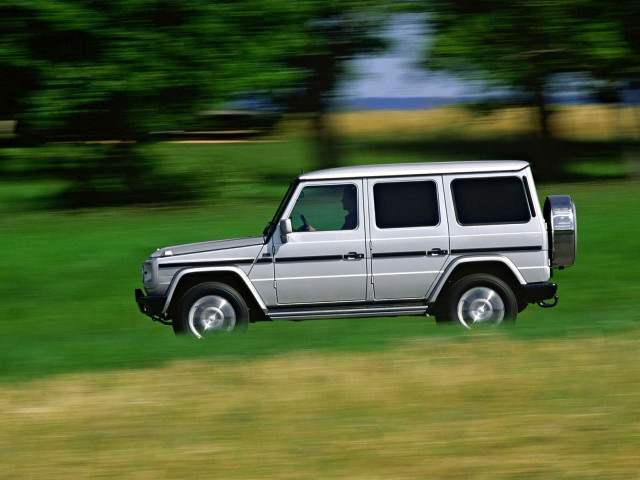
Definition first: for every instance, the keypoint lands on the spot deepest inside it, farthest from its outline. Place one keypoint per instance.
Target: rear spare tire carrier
(560, 215)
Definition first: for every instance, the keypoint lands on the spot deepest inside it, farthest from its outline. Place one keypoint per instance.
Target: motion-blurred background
(127, 125)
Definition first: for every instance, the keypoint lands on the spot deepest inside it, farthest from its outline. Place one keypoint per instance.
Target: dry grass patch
(578, 122)
(486, 407)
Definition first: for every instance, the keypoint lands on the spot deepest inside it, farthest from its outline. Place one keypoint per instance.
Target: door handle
(353, 256)
(436, 251)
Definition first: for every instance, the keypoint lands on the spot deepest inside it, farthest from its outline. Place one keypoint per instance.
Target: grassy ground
(90, 388)
(488, 407)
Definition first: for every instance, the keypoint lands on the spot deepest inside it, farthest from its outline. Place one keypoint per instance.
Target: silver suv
(463, 241)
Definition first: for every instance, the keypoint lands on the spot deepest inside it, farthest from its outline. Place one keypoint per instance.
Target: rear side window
(406, 204)
(481, 201)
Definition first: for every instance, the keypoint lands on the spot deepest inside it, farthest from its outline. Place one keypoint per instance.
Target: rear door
(409, 235)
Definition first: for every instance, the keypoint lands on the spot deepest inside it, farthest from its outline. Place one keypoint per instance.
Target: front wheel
(210, 308)
(482, 300)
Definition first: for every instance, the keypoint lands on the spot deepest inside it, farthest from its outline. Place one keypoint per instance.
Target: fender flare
(435, 291)
(175, 281)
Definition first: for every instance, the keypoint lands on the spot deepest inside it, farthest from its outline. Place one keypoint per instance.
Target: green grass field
(90, 388)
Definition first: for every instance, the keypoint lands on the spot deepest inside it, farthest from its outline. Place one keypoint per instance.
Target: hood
(202, 247)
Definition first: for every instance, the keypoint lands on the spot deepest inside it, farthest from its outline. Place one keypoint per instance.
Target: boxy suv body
(462, 241)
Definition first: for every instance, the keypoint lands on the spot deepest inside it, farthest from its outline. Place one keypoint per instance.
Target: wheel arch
(235, 278)
(499, 267)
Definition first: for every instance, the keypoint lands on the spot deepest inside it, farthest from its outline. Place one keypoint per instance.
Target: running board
(382, 311)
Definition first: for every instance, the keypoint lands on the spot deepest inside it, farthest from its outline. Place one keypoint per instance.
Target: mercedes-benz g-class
(466, 242)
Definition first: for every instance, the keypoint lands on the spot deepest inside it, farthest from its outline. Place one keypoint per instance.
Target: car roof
(409, 169)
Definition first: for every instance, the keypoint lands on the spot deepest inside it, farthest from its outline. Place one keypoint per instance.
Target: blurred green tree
(117, 69)
(512, 43)
(525, 45)
(330, 33)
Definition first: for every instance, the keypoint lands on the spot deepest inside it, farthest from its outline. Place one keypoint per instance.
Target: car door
(324, 259)
(409, 235)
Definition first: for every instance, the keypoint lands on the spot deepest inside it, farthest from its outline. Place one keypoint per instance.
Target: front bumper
(150, 306)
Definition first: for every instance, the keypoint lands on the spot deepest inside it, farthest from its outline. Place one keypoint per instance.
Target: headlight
(149, 275)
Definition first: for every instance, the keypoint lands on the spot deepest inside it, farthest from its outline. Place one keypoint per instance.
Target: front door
(324, 259)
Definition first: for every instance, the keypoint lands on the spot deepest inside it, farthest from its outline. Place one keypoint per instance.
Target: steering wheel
(305, 224)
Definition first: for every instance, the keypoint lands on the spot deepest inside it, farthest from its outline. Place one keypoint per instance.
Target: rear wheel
(482, 300)
(211, 308)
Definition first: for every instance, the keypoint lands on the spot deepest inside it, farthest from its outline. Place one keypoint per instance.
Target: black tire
(211, 308)
(482, 300)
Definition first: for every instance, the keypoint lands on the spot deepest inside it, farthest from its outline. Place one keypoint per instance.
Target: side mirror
(285, 229)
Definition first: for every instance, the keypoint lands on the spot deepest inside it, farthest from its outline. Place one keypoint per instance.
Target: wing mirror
(285, 229)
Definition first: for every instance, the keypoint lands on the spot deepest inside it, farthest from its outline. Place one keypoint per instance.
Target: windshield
(271, 226)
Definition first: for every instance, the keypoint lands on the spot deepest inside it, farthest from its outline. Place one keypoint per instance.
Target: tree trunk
(543, 112)
(546, 157)
(324, 72)
(326, 141)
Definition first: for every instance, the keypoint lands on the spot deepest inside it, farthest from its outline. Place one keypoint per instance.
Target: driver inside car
(349, 204)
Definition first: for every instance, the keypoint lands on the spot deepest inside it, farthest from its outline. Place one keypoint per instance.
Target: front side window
(483, 201)
(326, 207)
(406, 204)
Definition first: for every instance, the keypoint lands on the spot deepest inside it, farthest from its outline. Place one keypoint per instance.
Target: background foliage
(117, 70)
(528, 46)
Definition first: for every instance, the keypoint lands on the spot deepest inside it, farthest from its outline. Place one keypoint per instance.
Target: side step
(347, 312)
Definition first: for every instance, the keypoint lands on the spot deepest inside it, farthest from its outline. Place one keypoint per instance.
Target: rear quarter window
(483, 201)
